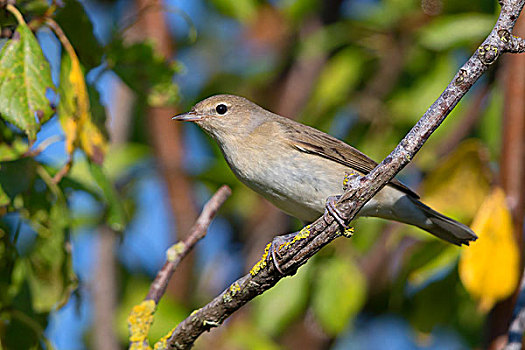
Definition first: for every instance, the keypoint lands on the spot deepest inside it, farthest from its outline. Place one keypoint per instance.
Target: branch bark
(361, 189)
(176, 253)
(141, 316)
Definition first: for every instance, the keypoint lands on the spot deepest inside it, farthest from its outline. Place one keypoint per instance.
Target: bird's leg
(283, 242)
(347, 178)
(331, 208)
(332, 200)
(278, 243)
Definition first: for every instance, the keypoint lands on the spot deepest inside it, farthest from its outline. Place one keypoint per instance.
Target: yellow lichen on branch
(175, 251)
(261, 264)
(304, 233)
(163, 342)
(139, 323)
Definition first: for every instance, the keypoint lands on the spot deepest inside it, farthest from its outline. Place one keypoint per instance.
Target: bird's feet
(280, 243)
(348, 177)
(331, 205)
(331, 208)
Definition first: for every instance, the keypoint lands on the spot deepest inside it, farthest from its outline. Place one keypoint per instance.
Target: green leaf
(339, 294)
(436, 304)
(122, 158)
(73, 19)
(49, 267)
(35, 7)
(326, 40)
(387, 14)
(297, 10)
(281, 305)
(245, 335)
(145, 71)
(98, 181)
(455, 30)
(24, 78)
(445, 259)
(98, 111)
(243, 10)
(23, 326)
(4, 199)
(117, 163)
(8, 256)
(422, 255)
(410, 104)
(338, 78)
(117, 217)
(12, 151)
(17, 176)
(491, 122)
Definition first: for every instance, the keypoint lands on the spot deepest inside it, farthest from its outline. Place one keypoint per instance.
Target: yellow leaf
(93, 142)
(489, 268)
(74, 111)
(69, 126)
(458, 186)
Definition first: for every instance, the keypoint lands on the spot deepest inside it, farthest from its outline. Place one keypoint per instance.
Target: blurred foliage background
(96, 181)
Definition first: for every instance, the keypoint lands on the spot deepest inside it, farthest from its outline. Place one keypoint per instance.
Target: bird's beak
(191, 116)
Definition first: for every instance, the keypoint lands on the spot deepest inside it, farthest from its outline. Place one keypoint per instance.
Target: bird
(297, 167)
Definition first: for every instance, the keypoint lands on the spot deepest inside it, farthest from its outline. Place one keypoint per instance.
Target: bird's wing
(313, 141)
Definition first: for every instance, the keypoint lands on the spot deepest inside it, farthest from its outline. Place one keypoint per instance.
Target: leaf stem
(62, 37)
(16, 13)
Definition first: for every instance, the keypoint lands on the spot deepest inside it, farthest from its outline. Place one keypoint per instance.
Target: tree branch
(141, 316)
(517, 326)
(360, 189)
(178, 251)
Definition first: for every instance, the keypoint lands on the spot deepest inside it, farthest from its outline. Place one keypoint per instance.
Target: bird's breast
(296, 182)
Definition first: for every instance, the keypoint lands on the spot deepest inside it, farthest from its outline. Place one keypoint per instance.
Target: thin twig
(177, 252)
(63, 171)
(361, 189)
(51, 23)
(141, 316)
(43, 145)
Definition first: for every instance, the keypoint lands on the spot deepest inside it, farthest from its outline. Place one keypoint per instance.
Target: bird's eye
(221, 109)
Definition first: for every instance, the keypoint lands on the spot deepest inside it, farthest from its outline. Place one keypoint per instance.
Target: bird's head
(222, 115)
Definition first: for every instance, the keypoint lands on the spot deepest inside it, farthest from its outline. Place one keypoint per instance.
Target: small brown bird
(297, 167)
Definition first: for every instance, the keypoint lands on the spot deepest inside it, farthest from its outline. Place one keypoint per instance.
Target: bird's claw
(348, 177)
(277, 244)
(334, 212)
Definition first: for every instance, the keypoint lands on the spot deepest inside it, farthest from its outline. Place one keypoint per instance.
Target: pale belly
(301, 190)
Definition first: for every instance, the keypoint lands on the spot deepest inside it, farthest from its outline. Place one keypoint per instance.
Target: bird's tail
(442, 226)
